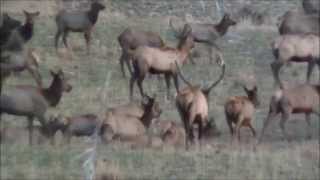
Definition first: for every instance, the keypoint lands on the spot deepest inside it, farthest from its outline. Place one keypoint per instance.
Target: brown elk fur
(239, 110)
(295, 48)
(304, 98)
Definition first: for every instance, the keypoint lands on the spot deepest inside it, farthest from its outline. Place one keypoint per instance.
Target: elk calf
(131, 39)
(303, 98)
(77, 22)
(192, 105)
(239, 110)
(171, 133)
(295, 48)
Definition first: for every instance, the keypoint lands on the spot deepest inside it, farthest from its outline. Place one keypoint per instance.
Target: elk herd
(144, 52)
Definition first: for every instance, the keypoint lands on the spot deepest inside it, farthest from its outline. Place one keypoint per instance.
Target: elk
(25, 30)
(33, 102)
(79, 125)
(295, 48)
(303, 98)
(192, 105)
(239, 110)
(296, 22)
(131, 39)
(160, 61)
(206, 33)
(77, 21)
(129, 127)
(18, 61)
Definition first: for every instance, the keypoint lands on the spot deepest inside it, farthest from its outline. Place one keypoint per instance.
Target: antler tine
(217, 82)
(181, 75)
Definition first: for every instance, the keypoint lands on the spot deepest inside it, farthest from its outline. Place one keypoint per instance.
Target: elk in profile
(77, 21)
(295, 48)
(128, 128)
(192, 105)
(160, 61)
(131, 39)
(206, 33)
(239, 110)
(303, 98)
(33, 102)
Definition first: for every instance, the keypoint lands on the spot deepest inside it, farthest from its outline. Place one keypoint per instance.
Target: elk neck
(222, 27)
(53, 94)
(93, 15)
(26, 31)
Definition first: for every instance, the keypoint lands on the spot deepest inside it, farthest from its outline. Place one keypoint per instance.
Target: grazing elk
(295, 48)
(81, 125)
(303, 98)
(131, 39)
(192, 105)
(29, 101)
(160, 61)
(297, 22)
(206, 33)
(77, 22)
(239, 110)
(129, 127)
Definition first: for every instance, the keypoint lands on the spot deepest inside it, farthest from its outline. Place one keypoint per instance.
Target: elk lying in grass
(29, 101)
(239, 110)
(296, 22)
(18, 61)
(192, 105)
(206, 33)
(160, 61)
(25, 30)
(303, 98)
(81, 125)
(295, 48)
(131, 39)
(129, 127)
(77, 22)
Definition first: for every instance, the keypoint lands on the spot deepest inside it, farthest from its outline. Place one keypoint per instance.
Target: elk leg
(64, 38)
(200, 128)
(318, 62)
(87, 37)
(229, 122)
(167, 79)
(275, 67)
(310, 69)
(30, 129)
(133, 79)
(176, 81)
(238, 126)
(283, 120)
(309, 125)
(271, 116)
(252, 130)
(125, 59)
(140, 85)
(56, 39)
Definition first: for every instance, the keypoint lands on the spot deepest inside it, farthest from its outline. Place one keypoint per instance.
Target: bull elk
(192, 105)
(295, 48)
(131, 39)
(239, 110)
(31, 102)
(303, 98)
(160, 61)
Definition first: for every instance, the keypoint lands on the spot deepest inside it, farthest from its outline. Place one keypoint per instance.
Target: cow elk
(77, 21)
(192, 105)
(131, 39)
(206, 33)
(301, 99)
(239, 111)
(31, 102)
(160, 61)
(295, 48)
(128, 128)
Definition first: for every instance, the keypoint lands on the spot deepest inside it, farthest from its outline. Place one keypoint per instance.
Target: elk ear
(255, 89)
(25, 12)
(245, 88)
(53, 73)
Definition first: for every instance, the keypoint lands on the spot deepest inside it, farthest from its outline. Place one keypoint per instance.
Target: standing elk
(77, 22)
(29, 101)
(131, 39)
(160, 61)
(206, 33)
(297, 22)
(239, 110)
(129, 127)
(192, 105)
(302, 98)
(295, 48)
